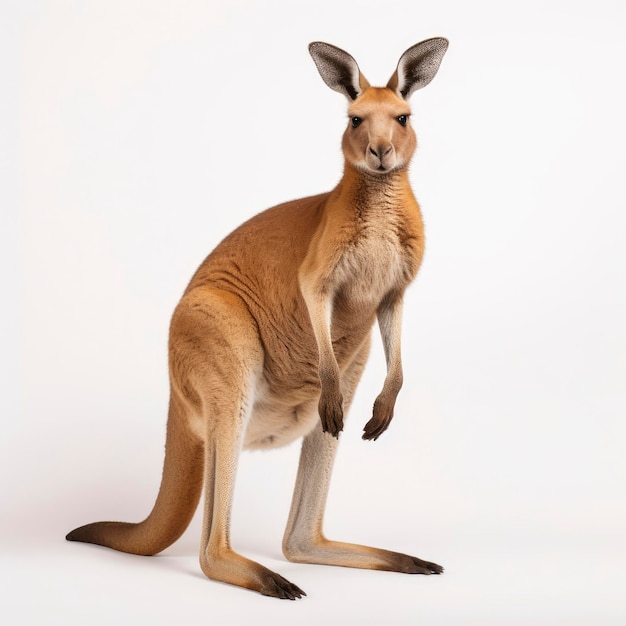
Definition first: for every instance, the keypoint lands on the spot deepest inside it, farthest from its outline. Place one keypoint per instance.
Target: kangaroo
(271, 336)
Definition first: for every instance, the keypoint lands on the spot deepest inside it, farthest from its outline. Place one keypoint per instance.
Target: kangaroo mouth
(381, 166)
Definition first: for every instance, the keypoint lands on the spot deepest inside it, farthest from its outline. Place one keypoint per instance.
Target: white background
(136, 135)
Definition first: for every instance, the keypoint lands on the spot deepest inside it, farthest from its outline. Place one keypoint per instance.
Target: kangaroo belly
(285, 408)
(274, 424)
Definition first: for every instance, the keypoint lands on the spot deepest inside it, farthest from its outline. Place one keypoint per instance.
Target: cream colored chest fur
(372, 265)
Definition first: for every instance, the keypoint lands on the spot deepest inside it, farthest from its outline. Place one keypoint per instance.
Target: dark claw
(382, 416)
(284, 590)
(373, 431)
(426, 567)
(331, 414)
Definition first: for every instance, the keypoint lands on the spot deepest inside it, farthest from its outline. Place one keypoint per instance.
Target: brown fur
(272, 334)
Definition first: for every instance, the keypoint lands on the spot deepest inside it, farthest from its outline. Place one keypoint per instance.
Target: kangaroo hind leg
(304, 541)
(222, 358)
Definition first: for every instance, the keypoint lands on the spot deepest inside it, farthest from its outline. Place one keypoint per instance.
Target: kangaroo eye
(402, 119)
(356, 121)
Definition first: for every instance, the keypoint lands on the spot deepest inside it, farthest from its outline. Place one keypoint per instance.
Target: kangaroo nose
(381, 150)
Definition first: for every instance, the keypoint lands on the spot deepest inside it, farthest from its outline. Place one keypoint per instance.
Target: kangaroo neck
(373, 192)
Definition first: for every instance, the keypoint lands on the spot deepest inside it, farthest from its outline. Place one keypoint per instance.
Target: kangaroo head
(379, 138)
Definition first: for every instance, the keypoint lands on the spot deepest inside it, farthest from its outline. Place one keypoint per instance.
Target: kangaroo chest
(378, 258)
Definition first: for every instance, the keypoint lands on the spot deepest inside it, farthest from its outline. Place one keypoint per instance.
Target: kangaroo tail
(175, 505)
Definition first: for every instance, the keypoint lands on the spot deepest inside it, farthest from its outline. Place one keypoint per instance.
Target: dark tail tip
(77, 534)
(121, 536)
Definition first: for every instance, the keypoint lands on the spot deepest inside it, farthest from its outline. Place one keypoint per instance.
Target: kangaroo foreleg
(390, 322)
(330, 406)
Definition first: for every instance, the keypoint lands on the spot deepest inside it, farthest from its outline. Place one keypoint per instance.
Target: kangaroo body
(272, 334)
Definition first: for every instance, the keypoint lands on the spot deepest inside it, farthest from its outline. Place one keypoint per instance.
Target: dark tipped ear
(338, 69)
(418, 66)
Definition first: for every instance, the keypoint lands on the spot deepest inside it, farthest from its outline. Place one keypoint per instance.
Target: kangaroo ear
(338, 69)
(418, 66)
